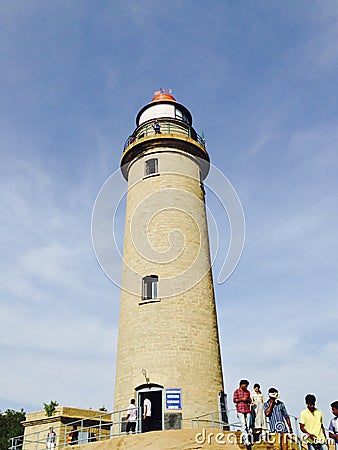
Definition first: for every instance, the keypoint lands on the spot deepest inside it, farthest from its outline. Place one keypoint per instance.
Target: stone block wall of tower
(173, 337)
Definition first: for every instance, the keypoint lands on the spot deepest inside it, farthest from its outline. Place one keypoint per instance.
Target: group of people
(72, 437)
(131, 420)
(132, 416)
(259, 417)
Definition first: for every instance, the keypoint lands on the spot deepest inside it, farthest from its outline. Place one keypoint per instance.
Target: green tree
(50, 408)
(10, 426)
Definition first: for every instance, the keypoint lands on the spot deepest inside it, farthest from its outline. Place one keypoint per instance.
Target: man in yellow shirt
(311, 424)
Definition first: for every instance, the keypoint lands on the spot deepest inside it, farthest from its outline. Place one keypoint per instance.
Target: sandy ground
(211, 439)
(164, 440)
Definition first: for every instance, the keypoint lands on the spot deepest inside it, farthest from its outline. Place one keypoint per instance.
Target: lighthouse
(168, 343)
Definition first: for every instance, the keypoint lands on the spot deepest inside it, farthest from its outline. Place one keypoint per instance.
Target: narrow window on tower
(149, 287)
(151, 166)
(202, 183)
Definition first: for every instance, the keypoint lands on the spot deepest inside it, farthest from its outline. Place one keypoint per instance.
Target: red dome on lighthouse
(163, 95)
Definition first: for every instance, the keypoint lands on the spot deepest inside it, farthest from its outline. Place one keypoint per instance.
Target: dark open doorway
(155, 398)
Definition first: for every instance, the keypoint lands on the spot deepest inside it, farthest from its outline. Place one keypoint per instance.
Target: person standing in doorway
(51, 439)
(242, 400)
(131, 417)
(311, 424)
(146, 415)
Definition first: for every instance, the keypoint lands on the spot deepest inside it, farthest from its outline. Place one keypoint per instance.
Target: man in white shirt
(146, 415)
(333, 427)
(131, 417)
(51, 439)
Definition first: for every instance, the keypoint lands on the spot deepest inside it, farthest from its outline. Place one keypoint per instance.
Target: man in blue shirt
(277, 414)
(156, 127)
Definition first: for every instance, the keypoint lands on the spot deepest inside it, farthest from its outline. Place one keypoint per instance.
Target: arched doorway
(154, 392)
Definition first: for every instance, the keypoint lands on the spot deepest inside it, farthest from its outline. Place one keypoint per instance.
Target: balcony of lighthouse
(172, 132)
(172, 127)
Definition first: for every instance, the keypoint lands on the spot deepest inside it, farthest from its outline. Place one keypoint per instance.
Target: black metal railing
(166, 126)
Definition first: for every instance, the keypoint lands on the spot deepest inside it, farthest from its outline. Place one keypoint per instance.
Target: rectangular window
(151, 166)
(178, 114)
(181, 116)
(149, 287)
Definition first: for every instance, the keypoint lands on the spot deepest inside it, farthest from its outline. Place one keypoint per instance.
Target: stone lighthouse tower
(168, 344)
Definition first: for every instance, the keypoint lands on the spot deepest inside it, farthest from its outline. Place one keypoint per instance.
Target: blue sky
(260, 78)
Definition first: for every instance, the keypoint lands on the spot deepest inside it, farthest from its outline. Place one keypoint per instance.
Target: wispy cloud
(50, 320)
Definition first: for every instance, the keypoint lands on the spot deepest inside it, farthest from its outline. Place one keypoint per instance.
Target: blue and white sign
(173, 398)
